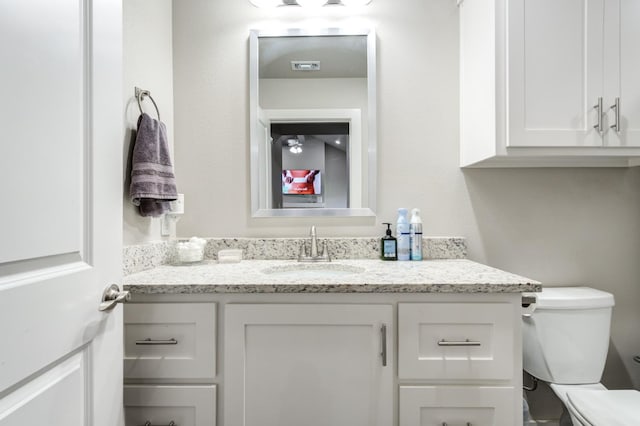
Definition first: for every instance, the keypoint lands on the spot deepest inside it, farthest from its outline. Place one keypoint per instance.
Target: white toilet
(565, 343)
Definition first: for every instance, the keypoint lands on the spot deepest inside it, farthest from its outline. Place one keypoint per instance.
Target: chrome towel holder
(140, 95)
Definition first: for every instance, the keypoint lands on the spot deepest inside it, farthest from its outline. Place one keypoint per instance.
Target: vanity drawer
(160, 405)
(458, 341)
(169, 340)
(457, 405)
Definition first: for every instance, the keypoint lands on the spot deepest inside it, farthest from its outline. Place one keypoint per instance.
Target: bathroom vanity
(351, 342)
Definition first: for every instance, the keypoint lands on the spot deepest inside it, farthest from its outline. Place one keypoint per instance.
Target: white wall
(560, 226)
(336, 177)
(148, 64)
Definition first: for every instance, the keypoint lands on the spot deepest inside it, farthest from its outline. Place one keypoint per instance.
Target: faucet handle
(325, 251)
(303, 250)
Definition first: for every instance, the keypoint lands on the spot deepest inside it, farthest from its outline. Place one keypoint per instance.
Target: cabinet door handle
(383, 338)
(466, 342)
(445, 424)
(598, 108)
(148, 423)
(616, 106)
(149, 341)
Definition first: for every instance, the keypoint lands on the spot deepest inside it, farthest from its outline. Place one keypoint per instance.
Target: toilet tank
(566, 338)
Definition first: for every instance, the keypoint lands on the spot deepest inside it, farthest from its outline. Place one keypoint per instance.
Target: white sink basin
(313, 270)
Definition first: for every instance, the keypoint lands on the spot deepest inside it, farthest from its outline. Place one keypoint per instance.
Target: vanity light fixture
(307, 3)
(355, 2)
(266, 3)
(311, 3)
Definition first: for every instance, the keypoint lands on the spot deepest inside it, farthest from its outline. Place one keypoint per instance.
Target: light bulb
(311, 3)
(266, 3)
(355, 2)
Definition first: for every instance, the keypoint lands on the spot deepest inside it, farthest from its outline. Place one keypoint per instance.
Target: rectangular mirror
(313, 122)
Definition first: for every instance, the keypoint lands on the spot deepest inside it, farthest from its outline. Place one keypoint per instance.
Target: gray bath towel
(153, 183)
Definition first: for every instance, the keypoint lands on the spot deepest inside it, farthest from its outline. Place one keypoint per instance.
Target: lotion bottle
(415, 234)
(388, 245)
(402, 232)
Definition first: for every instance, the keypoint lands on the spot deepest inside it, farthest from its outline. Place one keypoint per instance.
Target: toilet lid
(607, 408)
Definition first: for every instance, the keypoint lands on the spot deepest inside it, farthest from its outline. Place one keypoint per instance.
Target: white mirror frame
(258, 154)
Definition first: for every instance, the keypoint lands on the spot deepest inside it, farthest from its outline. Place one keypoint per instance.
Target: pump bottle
(388, 245)
(402, 232)
(415, 235)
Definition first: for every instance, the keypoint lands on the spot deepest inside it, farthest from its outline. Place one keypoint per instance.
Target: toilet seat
(605, 407)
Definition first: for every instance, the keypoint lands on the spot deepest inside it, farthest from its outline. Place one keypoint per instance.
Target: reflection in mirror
(309, 165)
(313, 138)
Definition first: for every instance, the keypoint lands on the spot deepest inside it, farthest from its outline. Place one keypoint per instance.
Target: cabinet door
(458, 406)
(312, 365)
(554, 72)
(622, 71)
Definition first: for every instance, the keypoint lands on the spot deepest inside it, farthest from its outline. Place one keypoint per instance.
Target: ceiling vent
(305, 65)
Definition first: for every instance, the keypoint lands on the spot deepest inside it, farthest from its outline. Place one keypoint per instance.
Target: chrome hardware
(149, 341)
(313, 256)
(598, 107)
(112, 296)
(148, 423)
(464, 343)
(616, 106)
(445, 424)
(534, 383)
(528, 301)
(140, 95)
(383, 336)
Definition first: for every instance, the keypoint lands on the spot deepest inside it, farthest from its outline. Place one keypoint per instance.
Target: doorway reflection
(310, 165)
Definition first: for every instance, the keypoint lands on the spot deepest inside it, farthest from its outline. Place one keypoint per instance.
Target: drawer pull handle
(598, 108)
(148, 423)
(149, 341)
(445, 424)
(462, 343)
(383, 337)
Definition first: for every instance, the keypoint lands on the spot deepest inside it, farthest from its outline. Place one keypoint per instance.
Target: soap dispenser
(388, 245)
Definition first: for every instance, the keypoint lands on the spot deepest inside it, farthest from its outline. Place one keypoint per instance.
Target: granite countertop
(369, 276)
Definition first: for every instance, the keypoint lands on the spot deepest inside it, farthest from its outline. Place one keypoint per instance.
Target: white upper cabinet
(543, 83)
(622, 69)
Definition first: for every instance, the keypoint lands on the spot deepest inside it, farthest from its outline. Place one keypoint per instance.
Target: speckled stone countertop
(342, 276)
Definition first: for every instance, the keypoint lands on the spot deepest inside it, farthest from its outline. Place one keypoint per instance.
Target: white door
(555, 72)
(312, 365)
(60, 217)
(622, 71)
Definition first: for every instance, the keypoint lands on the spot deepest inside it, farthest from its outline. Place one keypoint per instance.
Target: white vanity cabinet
(343, 359)
(547, 83)
(170, 364)
(308, 364)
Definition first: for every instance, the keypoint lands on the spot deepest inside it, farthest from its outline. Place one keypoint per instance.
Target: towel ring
(140, 94)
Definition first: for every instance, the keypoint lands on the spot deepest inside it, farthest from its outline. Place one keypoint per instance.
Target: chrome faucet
(313, 256)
